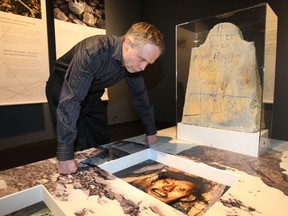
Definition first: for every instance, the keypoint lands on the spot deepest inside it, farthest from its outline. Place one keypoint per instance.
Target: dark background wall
(23, 124)
(120, 108)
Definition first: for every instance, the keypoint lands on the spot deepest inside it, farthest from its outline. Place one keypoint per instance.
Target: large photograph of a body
(189, 187)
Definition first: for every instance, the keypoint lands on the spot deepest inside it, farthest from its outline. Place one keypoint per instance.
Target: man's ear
(128, 44)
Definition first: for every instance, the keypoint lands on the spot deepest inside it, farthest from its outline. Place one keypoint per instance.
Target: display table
(262, 187)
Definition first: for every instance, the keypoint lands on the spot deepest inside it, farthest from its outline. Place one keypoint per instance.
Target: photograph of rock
(83, 12)
(28, 8)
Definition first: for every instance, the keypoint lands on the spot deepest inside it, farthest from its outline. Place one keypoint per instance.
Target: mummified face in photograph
(168, 190)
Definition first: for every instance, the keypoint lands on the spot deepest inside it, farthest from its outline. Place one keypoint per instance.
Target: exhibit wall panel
(73, 27)
(24, 61)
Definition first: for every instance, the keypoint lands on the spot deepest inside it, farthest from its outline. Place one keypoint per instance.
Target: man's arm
(75, 87)
(143, 105)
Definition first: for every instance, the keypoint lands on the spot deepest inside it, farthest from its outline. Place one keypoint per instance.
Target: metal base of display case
(241, 142)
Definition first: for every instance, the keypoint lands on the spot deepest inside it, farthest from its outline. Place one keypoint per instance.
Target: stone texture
(90, 13)
(223, 89)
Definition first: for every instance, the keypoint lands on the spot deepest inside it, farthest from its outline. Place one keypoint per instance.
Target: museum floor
(38, 151)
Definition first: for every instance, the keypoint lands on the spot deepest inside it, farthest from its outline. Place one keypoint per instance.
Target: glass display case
(225, 70)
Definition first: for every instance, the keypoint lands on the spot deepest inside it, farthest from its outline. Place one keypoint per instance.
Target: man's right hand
(67, 167)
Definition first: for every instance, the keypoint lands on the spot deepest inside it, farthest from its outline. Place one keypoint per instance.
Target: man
(78, 81)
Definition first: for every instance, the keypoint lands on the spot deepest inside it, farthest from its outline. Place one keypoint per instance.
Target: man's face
(168, 190)
(136, 58)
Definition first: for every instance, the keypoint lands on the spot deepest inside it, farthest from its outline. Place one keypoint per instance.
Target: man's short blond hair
(143, 32)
